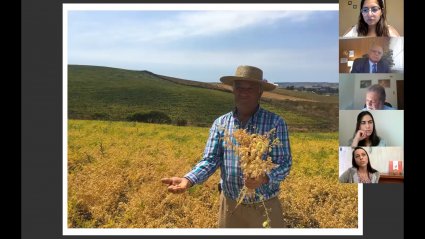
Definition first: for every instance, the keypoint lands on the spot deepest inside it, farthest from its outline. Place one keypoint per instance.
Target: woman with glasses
(372, 21)
(362, 171)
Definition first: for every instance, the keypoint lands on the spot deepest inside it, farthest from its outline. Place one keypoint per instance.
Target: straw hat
(248, 73)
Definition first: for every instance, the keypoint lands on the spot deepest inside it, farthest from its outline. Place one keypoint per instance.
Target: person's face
(375, 53)
(371, 12)
(246, 93)
(360, 156)
(373, 101)
(366, 125)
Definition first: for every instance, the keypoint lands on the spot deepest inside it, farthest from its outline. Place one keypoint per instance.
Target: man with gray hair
(248, 86)
(375, 98)
(373, 64)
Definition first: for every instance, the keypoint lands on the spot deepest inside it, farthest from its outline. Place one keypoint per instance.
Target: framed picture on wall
(385, 83)
(365, 83)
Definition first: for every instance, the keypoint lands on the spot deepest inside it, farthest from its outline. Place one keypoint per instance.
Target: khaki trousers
(249, 215)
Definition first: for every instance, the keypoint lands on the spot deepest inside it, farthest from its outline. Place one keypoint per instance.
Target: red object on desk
(396, 168)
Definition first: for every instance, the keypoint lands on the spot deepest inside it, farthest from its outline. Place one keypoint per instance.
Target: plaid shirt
(217, 154)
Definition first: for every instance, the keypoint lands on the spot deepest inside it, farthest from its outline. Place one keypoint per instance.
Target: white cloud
(180, 26)
(214, 22)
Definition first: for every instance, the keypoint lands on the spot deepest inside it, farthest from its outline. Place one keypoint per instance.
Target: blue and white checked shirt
(217, 154)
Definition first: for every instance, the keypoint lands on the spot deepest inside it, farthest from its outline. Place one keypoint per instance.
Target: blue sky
(289, 46)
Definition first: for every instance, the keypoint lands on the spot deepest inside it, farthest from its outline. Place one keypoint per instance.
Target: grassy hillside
(116, 94)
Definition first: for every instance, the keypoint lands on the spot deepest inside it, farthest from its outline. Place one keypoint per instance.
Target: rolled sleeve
(212, 157)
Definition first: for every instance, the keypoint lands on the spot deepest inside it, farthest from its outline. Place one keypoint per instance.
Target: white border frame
(183, 231)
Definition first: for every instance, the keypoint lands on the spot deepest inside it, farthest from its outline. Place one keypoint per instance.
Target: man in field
(248, 86)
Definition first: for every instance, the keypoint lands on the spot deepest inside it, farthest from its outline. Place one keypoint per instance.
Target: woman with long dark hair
(372, 21)
(361, 170)
(365, 133)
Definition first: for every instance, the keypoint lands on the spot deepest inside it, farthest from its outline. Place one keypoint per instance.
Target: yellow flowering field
(114, 172)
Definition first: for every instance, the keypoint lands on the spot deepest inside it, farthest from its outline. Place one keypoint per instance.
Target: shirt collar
(371, 63)
(252, 118)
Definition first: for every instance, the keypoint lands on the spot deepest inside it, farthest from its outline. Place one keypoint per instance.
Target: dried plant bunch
(253, 152)
(251, 149)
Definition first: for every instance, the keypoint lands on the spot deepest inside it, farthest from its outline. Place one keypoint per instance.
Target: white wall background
(380, 157)
(352, 97)
(397, 45)
(346, 92)
(389, 125)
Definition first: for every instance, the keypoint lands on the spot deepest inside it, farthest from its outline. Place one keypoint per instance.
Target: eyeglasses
(374, 10)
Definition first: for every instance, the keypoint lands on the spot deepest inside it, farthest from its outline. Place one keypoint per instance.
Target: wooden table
(387, 178)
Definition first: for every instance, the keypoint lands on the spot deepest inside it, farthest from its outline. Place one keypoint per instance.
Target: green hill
(106, 93)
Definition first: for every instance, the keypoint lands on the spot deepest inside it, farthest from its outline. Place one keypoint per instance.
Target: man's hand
(253, 183)
(176, 184)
